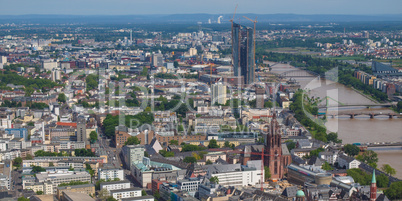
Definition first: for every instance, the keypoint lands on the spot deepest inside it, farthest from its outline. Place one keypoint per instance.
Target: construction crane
(231, 20)
(254, 21)
(262, 154)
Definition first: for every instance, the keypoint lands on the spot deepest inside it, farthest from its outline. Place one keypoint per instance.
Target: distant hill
(190, 18)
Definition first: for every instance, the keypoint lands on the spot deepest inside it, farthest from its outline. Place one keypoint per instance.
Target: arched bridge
(353, 115)
(299, 73)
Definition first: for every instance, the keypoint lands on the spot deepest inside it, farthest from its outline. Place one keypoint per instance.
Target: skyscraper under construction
(243, 52)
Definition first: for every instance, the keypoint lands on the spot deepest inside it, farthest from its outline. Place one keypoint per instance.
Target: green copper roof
(373, 179)
(300, 193)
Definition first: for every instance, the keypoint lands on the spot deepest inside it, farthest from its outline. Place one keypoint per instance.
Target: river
(361, 129)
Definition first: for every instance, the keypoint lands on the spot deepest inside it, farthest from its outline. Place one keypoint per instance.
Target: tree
(261, 140)
(326, 166)
(74, 183)
(89, 169)
(388, 169)
(39, 192)
(214, 180)
(291, 145)
(267, 173)
(62, 98)
(157, 195)
(148, 109)
(51, 164)
(190, 147)
(369, 157)
(213, 144)
(29, 91)
(196, 156)
(227, 144)
(22, 199)
(83, 152)
(97, 184)
(209, 162)
(189, 159)
(359, 176)
(174, 142)
(103, 194)
(333, 137)
(71, 168)
(166, 153)
(29, 157)
(382, 180)
(17, 162)
(268, 104)
(133, 140)
(143, 193)
(316, 152)
(36, 169)
(110, 199)
(180, 128)
(92, 81)
(93, 136)
(394, 192)
(351, 150)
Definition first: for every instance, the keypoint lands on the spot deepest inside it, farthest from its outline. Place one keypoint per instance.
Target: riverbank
(365, 95)
(393, 158)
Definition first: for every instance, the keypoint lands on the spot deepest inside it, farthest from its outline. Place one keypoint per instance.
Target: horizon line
(197, 14)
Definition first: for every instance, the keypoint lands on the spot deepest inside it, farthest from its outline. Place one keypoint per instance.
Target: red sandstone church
(276, 154)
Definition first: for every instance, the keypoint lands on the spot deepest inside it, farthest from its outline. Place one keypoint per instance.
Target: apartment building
(126, 193)
(165, 116)
(115, 185)
(110, 173)
(60, 177)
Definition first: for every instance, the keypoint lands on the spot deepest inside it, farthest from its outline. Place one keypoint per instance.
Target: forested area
(111, 122)
(8, 77)
(303, 106)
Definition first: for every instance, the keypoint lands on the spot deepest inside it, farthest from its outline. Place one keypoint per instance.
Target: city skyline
(133, 7)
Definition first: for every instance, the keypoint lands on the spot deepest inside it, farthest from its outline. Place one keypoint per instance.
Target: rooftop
(125, 190)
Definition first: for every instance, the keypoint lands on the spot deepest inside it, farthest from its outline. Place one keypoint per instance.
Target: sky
(134, 7)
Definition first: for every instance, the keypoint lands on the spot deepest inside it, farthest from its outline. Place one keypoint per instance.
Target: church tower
(273, 150)
(373, 188)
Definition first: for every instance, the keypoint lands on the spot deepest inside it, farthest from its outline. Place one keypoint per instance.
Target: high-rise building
(192, 51)
(157, 60)
(366, 34)
(56, 75)
(243, 52)
(259, 92)
(132, 153)
(218, 93)
(3, 59)
(82, 130)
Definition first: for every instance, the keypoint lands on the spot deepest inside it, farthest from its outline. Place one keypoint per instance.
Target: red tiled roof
(66, 124)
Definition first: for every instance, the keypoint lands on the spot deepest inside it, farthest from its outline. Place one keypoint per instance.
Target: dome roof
(300, 193)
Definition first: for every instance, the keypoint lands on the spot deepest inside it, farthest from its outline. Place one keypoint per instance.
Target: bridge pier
(371, 116)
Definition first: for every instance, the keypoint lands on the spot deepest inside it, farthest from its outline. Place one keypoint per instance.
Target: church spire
(373, 181)
(373, 188)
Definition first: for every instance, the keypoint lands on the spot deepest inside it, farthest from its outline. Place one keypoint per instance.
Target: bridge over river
(352, 115)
